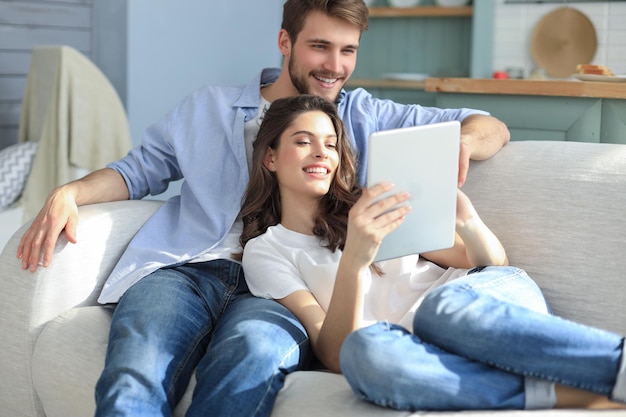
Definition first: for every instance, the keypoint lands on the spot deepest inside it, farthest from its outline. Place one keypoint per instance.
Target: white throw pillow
(15, 163)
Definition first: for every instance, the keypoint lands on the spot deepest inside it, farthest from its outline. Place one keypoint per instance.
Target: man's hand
(59, 213)
(481, 137)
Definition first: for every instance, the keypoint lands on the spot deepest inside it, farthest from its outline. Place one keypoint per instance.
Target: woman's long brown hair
(261, 206)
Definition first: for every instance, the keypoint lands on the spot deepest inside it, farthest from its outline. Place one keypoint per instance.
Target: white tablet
(424, 161)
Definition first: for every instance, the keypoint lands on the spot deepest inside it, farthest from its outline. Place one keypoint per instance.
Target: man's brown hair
(295, 13)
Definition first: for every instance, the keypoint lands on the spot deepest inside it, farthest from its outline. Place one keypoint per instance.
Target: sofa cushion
(65, 372)
(57, 375)
(69, 356)
(15, 163)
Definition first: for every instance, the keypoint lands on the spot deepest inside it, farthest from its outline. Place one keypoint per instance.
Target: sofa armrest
(74, 278)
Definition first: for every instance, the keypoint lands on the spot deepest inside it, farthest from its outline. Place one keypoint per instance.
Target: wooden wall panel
(7, 135)
(9, 122)
(12, 88)
(25, 37)
(14, 62)
(45, 14)
(437, 46)
(23, 25)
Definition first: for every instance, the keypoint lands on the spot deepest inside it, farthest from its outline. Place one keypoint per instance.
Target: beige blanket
(72, 109)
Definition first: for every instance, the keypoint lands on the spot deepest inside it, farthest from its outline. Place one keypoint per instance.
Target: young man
(182, 303)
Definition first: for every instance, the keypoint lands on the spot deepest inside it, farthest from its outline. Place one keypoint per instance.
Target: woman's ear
(268, 159)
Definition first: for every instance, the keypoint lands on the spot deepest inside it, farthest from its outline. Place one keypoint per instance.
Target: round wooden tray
(563, 39)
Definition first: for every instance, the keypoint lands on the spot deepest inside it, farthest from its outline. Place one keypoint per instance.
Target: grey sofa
(558, 207)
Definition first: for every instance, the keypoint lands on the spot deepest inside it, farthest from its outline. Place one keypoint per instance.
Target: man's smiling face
(323, 56)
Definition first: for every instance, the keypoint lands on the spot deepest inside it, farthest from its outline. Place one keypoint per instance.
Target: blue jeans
(200, 317)
(484, 341)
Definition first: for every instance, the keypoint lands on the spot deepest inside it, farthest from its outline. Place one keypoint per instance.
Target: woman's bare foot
(567, 397)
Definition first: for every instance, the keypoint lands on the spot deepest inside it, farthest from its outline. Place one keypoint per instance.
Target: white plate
(603, 78)
(404, 3)
(407, 76)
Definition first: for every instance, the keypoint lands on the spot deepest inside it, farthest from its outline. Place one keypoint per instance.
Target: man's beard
(300, 83)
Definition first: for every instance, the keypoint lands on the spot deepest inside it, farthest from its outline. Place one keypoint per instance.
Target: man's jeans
(198, 315)
(484, 341)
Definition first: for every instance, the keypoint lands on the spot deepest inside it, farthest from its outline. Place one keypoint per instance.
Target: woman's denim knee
(487, 287)
(438, 306)
(360, 357)
(371, 364)
(355, 351)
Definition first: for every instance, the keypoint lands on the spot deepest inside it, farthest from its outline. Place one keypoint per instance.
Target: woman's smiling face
(306, 158)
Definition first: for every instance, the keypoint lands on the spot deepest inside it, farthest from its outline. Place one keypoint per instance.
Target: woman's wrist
(481, 245)
(472, 224)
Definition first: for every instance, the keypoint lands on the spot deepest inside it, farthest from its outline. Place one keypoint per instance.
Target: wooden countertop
(573, 88)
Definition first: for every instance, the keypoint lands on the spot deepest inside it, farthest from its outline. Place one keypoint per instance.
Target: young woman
(482, 336)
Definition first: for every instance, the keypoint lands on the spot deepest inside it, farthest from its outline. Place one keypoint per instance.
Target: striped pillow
(15, 163)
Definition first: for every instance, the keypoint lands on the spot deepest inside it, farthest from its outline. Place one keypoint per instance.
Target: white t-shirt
(282, 261)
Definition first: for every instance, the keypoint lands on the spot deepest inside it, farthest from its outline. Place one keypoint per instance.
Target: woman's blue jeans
(484, 341)
(201, 317)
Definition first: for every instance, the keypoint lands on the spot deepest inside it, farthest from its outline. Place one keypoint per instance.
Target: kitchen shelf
(421, 11)
(425, 39)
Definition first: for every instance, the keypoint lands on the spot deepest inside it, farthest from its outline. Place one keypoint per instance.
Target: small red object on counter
(501, 75)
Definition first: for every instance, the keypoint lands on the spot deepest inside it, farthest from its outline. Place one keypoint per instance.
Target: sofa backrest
(558, 208)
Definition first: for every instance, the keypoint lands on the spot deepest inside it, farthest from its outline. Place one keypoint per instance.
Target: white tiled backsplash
(514, 25)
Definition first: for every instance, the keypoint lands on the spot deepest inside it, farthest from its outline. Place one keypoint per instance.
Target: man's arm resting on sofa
(482, 136)
(78, 271)
(60, 213)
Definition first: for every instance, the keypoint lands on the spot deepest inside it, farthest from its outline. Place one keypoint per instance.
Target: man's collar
(269, 75)
(342, 95)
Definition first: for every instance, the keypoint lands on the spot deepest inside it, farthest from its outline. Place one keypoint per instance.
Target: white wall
(176, 46)
(165, 49)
